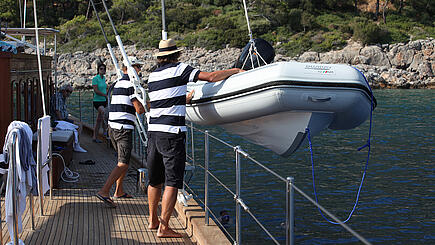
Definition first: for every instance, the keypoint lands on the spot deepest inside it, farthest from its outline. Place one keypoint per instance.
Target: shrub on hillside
(297, 45)
(369, 32)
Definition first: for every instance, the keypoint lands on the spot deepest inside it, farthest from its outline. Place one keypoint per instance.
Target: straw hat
(167, 47)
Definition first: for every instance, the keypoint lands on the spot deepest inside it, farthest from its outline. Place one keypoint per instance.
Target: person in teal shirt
(100, 99)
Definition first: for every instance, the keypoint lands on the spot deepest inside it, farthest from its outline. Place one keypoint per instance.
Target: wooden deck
(76, 216)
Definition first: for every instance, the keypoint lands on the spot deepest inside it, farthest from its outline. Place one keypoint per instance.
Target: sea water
(396, 203)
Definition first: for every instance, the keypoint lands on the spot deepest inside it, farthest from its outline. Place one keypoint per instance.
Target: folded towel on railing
(25, 171)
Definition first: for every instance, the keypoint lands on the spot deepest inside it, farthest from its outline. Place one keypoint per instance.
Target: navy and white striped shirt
(122, 113)
(167, 87)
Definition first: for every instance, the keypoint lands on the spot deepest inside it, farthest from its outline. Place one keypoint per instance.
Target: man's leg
(114, 175)
(154, 193)
(119, 191)
(168, 203)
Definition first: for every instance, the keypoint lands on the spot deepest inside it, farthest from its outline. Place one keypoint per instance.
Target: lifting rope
(360, 148)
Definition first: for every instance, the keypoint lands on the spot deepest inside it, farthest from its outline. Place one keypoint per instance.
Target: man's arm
(138, 106)
(217, 76)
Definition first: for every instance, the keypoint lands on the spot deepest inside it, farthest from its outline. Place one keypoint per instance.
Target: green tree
(10, 13)
(128, 9)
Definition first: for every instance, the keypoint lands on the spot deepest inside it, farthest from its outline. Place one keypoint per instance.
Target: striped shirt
(122, 114)
(167, 87)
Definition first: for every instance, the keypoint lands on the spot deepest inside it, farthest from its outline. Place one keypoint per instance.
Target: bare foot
(168, 233)
(154, 225)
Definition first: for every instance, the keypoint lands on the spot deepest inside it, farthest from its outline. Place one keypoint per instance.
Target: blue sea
(396, 203)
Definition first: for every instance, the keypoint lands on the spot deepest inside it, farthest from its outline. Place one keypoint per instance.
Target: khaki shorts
(122, 141)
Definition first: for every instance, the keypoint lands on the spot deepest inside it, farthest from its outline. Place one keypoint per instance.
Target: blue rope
(307, 130)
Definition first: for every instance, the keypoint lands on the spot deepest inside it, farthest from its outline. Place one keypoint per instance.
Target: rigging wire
(252, 47)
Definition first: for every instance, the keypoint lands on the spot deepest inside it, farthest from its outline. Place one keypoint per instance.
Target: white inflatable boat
(272, 105)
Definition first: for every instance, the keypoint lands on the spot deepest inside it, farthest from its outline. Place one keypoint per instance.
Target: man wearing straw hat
(166, 154)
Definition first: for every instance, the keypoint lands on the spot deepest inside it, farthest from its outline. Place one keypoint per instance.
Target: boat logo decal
(319, 69)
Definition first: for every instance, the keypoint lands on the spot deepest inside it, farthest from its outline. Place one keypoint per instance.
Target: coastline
(402, 66)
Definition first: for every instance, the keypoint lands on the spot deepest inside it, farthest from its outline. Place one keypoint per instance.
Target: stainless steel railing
(241, 205)
(12, 149)
(80, 106)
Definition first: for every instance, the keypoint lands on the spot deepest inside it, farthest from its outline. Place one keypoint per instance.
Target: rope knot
(364, 146)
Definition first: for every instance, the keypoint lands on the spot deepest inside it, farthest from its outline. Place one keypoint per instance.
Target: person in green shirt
(100, 99)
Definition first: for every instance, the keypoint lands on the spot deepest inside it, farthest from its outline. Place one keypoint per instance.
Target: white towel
(63, 125)
(24, 178)
(44, 126)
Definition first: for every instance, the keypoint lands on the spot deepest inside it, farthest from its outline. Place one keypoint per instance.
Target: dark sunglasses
(102, 68)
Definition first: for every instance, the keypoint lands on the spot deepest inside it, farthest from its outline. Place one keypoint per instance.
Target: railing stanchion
(206, 158)
(39, 160)
(238, 210)
(193, 145)
(140, 147)
(134, 140)
(50, 156)
(290, 208)
(1, 230)
(32, 209)
(93, 117)
(13, 152)
(80, 106)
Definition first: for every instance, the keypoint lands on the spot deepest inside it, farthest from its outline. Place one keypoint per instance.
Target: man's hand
(189, 96)
(138, 106)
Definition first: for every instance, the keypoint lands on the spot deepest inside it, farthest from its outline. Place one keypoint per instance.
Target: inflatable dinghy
(272, 105)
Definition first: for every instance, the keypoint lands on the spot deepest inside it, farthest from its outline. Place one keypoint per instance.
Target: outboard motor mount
(265, 51)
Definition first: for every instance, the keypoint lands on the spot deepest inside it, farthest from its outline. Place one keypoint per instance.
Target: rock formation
(410, 65)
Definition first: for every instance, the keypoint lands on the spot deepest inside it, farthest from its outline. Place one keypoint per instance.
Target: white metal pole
(39, 59)
(164, 33)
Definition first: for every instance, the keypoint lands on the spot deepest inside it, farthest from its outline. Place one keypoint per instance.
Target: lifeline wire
(360, 148)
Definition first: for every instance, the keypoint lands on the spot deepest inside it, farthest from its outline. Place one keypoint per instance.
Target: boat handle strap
(313, 99)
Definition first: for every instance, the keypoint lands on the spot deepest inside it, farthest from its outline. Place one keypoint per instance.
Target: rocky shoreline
(410, 65)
